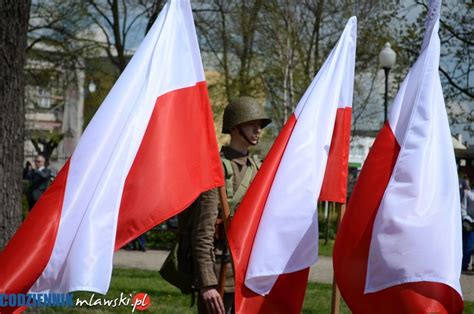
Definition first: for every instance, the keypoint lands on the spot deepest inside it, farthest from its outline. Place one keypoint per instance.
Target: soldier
(244, 120)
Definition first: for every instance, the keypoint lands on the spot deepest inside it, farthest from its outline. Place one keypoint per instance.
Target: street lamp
(387, 59)
(92, 87)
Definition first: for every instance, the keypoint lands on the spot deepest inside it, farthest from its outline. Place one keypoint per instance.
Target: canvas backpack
(178, 268)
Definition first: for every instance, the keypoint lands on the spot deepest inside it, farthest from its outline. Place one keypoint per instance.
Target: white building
(54, 102)
(362, 141)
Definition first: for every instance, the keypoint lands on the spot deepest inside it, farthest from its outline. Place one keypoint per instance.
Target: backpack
(178, 267)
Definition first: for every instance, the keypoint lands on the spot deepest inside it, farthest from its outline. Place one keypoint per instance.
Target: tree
(13, 29)
(116, 20)
(57, 44)
(457, 55)
(296, 38)
(46, 142)
(228, 31)
(152, 9)
(70, 36)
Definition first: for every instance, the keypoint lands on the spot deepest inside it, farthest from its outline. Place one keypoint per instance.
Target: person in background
(463, 185)
(39, 178)
(467, 213)
(27, 169)
(140, 243)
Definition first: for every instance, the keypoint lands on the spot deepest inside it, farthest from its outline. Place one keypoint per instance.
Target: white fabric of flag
(417, 229)
(287, 237)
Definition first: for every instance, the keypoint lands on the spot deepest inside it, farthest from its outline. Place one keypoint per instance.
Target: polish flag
(149, 151)
(274, 234)
(399, 246)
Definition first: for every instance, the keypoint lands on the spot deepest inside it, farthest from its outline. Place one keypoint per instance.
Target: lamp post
(387, 59)
(92, 87)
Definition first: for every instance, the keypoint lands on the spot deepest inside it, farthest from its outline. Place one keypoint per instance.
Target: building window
(43, 97)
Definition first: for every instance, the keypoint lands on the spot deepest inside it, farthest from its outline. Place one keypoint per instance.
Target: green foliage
(327, 225)
(267, 49)
(326, 249)
(42, 77)
(48, 136)
(45, 142)
(103, 73)
(160, 239)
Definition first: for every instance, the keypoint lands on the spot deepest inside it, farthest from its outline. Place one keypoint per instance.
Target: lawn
(325, 249)
(166, 299)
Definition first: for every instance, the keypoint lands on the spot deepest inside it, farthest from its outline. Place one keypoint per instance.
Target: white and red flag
(274, 234)
(149, 151)
(399, 246)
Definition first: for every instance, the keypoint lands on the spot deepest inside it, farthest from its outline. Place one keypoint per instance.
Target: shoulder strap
(234, 198)
(229, 176)
(242, 189)
(256, 161)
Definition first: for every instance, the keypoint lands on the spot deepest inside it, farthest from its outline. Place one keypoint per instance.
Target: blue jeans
(467, 248)
(141, 243)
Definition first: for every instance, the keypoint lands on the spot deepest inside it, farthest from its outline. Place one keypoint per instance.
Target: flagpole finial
(432, 18)
(434, 8)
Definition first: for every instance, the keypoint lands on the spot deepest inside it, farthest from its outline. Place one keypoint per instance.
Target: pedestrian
(27, 169)
(244, 119)
(463, 185)
(467, 213)
(140, 243)
(39, 178)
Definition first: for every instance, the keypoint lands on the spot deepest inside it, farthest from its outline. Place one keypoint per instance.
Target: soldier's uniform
(209, 247)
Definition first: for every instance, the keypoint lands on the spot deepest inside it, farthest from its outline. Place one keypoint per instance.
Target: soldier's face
(252, 130)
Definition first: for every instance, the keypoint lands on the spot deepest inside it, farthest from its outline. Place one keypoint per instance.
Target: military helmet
(241, 110)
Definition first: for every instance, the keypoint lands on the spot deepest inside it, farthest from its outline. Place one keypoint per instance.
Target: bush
(161, 238)
(327, 226)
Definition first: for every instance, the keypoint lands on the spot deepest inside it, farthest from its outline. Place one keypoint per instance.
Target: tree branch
(455, 85)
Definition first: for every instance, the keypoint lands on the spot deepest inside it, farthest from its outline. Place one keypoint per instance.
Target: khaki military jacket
(205, 250)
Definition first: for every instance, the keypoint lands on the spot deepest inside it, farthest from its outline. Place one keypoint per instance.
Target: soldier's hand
(213, 300)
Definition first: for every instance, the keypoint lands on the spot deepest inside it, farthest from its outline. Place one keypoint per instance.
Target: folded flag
(149, 151)
(399, 246)
(274, 234)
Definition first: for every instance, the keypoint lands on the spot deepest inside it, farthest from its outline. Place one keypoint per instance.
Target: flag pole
(336, 294)
(327, 215)
(225, 212)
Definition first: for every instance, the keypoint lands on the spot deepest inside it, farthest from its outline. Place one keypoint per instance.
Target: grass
(167, 299)
(164, 297)
(325, 249)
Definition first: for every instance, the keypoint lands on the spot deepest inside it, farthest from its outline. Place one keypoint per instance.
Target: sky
(409, 15)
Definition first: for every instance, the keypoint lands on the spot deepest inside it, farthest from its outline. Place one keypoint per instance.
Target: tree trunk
(14, 16)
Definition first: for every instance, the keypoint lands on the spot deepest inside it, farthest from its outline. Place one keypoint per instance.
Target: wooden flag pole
(225, 212)
(327, 215)
(336, 294)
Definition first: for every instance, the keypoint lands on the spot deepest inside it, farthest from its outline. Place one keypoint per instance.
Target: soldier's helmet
(241, 110)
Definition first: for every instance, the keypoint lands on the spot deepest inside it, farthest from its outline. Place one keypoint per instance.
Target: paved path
(321, 272)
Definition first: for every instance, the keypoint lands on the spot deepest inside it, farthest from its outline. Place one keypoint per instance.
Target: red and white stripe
(274, 234)
(149, 151)
(399, 246)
